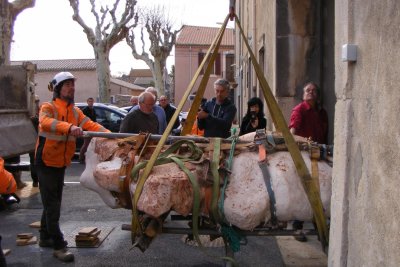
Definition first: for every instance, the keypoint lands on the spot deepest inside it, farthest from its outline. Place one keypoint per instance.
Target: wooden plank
(32, 240)
(26, 241)
(35, 224)
(87, 230)
(25, 235)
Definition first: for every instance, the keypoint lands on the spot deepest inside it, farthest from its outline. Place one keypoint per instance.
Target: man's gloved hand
(75, 131)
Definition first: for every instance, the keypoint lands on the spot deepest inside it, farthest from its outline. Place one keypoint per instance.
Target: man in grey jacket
(216, 115)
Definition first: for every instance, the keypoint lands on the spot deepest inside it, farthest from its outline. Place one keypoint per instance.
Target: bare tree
(107, 33)
(162, 39)
(8, 15)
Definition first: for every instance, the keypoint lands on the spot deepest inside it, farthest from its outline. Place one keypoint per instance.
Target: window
(216, 68)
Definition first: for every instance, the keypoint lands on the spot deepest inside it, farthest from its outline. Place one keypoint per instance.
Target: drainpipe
(190, 62)
(253, 76)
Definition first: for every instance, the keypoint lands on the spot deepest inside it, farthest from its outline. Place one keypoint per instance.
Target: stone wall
(365, 208)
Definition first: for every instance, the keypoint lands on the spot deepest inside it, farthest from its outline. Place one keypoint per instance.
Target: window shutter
(201, 57)
(218, 65)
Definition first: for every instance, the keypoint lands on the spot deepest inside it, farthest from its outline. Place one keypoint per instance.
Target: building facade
(300, 40)
(191, 46)
(86, 79)
(293, 44)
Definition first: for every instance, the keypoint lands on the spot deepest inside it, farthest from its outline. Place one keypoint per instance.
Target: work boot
(63, 255)
(301, 237)
(49, 243)
(46, 243)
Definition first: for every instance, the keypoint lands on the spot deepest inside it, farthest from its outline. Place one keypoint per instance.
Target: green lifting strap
(165, 157)
(196, 199)
(280, 123)
(216, 216)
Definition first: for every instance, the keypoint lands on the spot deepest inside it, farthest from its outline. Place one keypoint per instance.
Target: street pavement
(82, 207)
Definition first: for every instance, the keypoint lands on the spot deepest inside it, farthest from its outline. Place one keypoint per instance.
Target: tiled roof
(198, 35)
(140, 73)
(126, 84)
(62, 64)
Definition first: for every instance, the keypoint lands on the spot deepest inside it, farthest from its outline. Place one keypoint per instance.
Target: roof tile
(62, 64)
(198, 35)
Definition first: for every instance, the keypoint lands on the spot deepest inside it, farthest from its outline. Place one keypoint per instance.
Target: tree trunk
(8, 15)
(6, 32)
(103, 74)
(158, 76)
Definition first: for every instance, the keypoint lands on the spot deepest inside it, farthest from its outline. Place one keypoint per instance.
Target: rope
(229, 167)
(227, 230)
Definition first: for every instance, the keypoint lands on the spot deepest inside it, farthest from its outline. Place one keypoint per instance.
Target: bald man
(158, 111)
(143, 118)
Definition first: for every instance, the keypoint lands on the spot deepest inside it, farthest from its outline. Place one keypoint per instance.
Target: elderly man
(309, 119)
(158, 111)
(134, 100)
(216, 115)
(142, 119)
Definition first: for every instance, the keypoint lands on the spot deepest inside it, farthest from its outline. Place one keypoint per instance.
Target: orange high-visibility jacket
(55, 147)
(7, 182)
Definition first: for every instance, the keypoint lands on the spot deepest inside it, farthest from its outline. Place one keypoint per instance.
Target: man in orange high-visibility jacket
(60, 123)
(7, 182)
(7, 186)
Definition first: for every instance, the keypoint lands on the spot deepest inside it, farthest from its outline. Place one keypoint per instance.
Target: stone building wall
(365, 229)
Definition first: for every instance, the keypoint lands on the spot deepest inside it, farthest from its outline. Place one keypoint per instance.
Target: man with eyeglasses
(309, 120)
(142, 119)
(158, 111)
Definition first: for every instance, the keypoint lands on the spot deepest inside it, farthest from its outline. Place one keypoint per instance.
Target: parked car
(107, 115)
(127, 108)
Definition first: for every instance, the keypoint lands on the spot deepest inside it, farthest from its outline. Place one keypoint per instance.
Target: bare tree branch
(162, 39)
(8, 14)
(109, 30)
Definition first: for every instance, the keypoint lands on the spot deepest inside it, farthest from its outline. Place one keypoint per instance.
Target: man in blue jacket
(216, 115)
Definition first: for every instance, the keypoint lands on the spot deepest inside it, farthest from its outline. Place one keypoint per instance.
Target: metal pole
(196, 139)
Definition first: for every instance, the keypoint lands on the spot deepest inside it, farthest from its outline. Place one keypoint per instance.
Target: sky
(47, 30)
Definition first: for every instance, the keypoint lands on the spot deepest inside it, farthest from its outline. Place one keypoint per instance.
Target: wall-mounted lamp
(349, 53)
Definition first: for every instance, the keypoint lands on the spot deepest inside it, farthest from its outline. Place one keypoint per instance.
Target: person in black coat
(169, 110)
(216, 115)
(254, 118)
(91, 113)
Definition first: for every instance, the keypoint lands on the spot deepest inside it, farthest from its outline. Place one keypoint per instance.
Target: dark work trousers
(32, 167)
(297, 225)
(2, 257)
(51, 182)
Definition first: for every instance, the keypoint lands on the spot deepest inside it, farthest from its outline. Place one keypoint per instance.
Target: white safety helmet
(60, 77)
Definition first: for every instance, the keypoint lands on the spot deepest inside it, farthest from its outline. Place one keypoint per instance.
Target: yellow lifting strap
(280, 123)
(140, 183)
